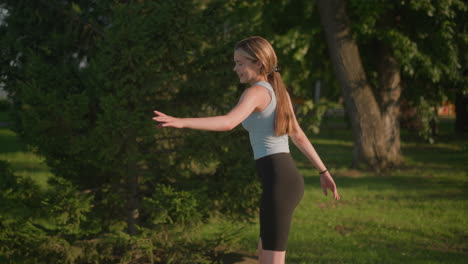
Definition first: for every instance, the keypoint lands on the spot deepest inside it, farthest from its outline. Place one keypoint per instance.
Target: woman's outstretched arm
(303, 144)
(249, 100)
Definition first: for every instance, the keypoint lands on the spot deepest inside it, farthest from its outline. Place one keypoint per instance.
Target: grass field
(415, 214)
(22, 160)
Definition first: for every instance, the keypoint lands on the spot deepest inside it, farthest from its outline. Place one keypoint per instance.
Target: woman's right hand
(326, 181)
(167, 121)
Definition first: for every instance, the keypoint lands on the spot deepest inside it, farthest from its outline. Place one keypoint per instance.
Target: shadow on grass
(239, 258)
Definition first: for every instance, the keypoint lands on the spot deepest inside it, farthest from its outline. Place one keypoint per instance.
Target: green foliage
(4, 105)
(84, 85)
(428, 50)
(52, 226)
(168, 206)
(310, 115)
(66, 207)
(427, 118)
(299, 44)
(428, 38)
(36, 224)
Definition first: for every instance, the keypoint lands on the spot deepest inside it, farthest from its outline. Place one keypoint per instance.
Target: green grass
(414, 214)
(23, 162)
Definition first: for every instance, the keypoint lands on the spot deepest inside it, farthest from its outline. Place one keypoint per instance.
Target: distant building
(447, 109)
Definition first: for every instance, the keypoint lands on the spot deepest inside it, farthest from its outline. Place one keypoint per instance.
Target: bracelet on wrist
(322, 172)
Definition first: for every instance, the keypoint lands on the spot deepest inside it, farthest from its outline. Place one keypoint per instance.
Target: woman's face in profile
(247, 71)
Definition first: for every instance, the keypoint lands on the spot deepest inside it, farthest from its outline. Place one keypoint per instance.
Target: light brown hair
(259, 49)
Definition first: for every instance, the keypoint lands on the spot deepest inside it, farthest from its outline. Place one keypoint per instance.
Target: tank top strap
(266, 85)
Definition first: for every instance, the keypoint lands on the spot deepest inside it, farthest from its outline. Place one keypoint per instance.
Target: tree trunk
(375, 130)
(390, 89)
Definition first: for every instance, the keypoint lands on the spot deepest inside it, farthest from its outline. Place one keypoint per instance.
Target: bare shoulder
(256, 90)
(259, 95)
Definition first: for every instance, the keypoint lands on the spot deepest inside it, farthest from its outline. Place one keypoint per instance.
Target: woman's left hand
(327, 181)
(167, 121)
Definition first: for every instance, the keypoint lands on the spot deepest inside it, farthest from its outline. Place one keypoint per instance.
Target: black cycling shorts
(282, 190)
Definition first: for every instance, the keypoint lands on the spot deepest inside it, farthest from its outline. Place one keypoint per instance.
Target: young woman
(266, 112)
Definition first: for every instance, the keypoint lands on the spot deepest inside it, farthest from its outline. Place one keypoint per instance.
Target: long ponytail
(259, 49)
(284, 120)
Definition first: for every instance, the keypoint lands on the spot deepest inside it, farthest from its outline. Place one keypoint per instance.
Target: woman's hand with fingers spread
(327, 181)
(167, 121)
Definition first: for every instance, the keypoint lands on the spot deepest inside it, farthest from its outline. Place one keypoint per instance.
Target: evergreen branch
(96, 29)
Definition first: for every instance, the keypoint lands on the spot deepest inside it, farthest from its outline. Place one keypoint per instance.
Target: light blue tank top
(261, 128)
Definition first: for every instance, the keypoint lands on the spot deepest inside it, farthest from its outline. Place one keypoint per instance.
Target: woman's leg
(282, 189)
(269, 256)
(273, 257)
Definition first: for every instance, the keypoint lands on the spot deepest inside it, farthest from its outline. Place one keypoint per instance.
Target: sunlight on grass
(23, 163)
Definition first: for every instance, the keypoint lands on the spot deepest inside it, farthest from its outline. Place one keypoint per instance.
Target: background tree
(85, 77)
(295, 30)
(375, 126)
(409, 44)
